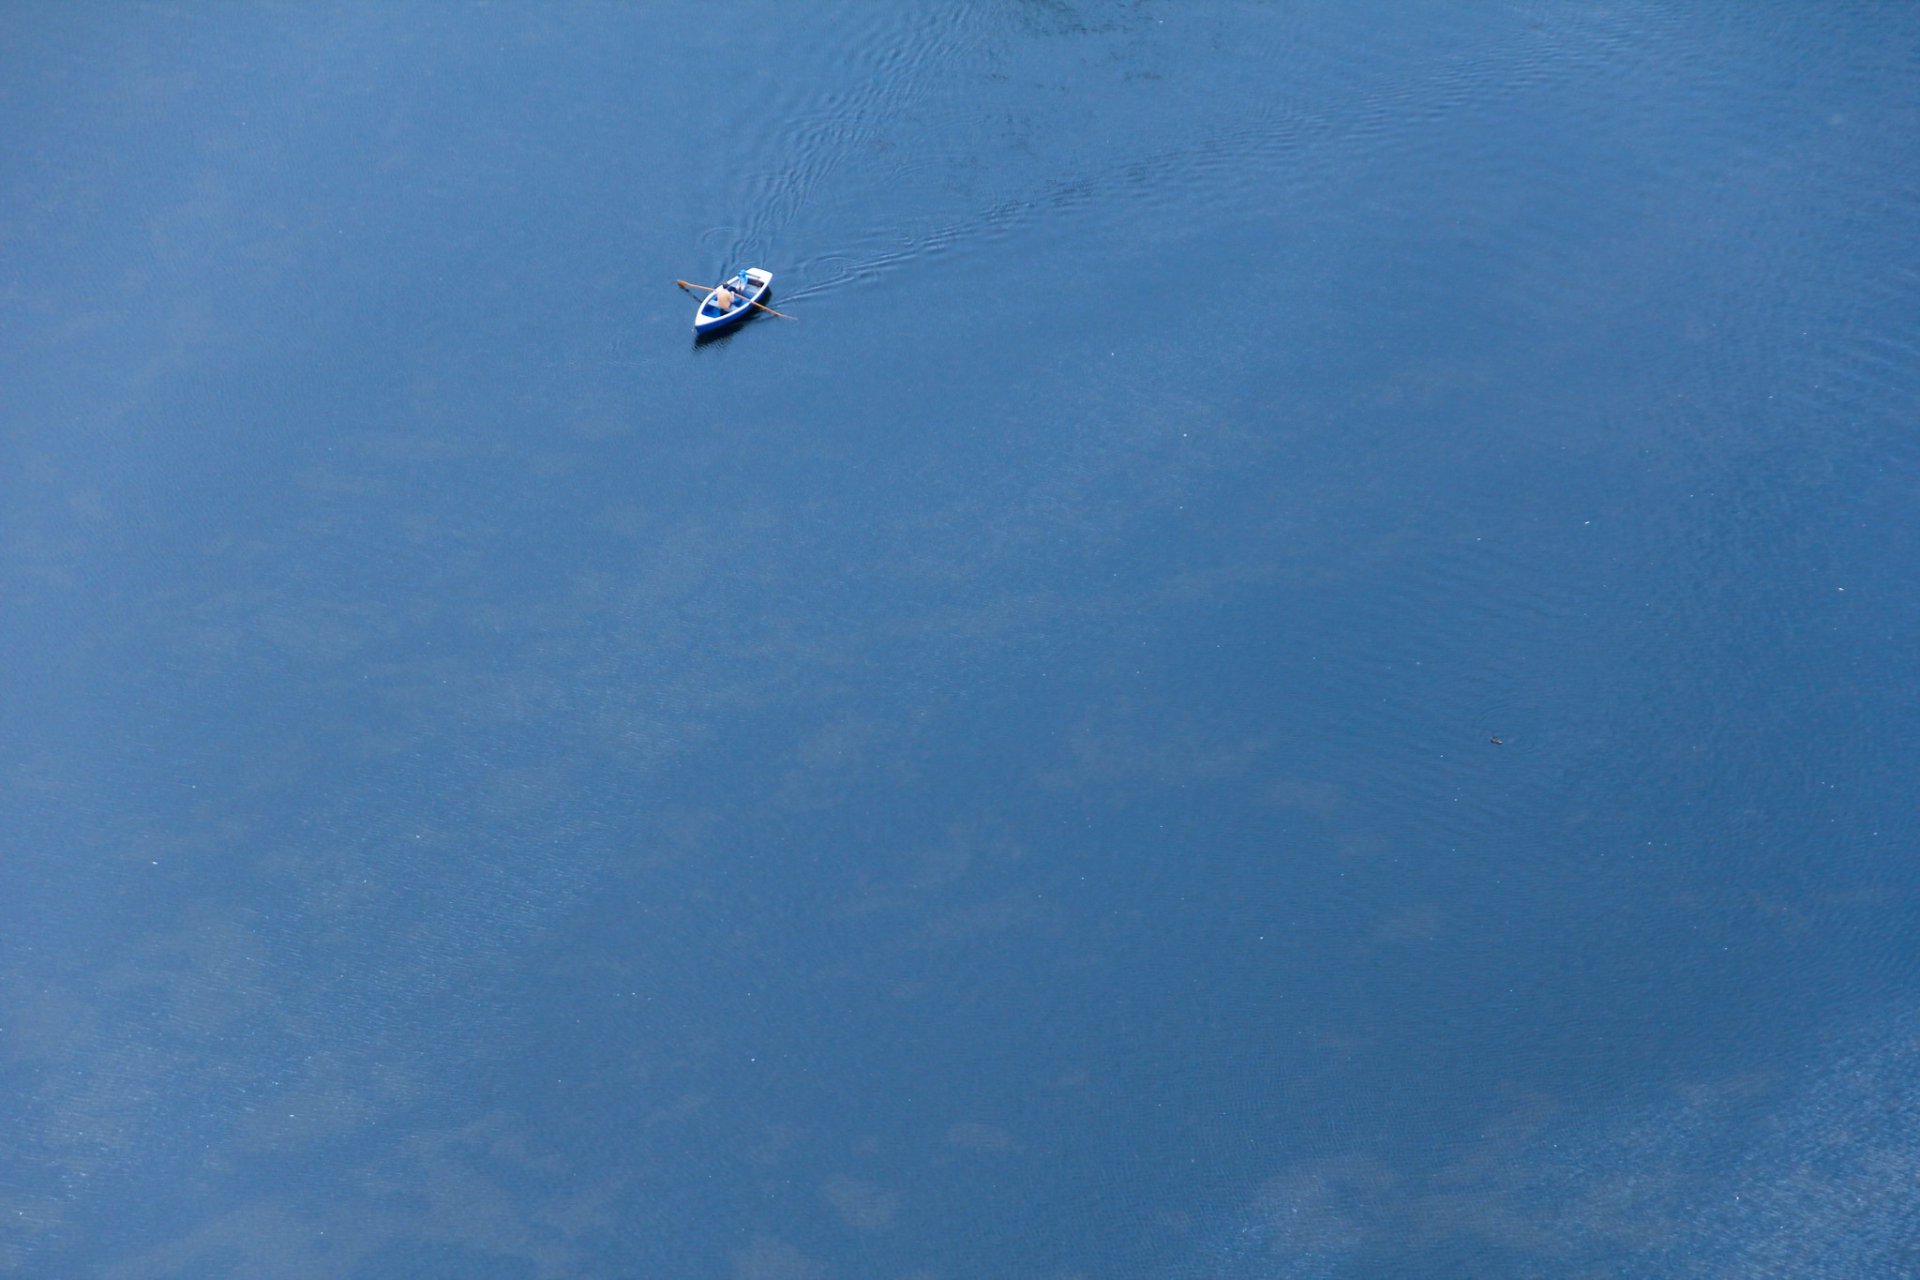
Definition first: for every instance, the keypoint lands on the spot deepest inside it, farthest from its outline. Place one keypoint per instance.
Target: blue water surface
(1298, 662)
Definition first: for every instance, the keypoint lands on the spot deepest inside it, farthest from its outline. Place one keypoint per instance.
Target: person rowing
(725, 304)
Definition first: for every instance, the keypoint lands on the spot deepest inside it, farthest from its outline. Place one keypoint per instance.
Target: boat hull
(707, 321)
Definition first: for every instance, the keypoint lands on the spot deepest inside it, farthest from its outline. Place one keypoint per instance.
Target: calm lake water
(1300, 662)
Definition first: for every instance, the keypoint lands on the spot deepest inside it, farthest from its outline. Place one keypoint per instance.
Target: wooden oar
(707, 288)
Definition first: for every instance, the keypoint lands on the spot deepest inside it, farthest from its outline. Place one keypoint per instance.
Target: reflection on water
(1789, 1174)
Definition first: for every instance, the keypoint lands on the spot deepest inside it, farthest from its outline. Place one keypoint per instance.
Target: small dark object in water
(1496, 742)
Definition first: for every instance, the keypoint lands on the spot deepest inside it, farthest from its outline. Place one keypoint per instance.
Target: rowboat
(747, 288)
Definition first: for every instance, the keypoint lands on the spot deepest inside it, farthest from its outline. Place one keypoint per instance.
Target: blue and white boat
(742, 290)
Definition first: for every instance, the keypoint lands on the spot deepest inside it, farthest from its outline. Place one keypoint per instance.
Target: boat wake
(944, 143)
